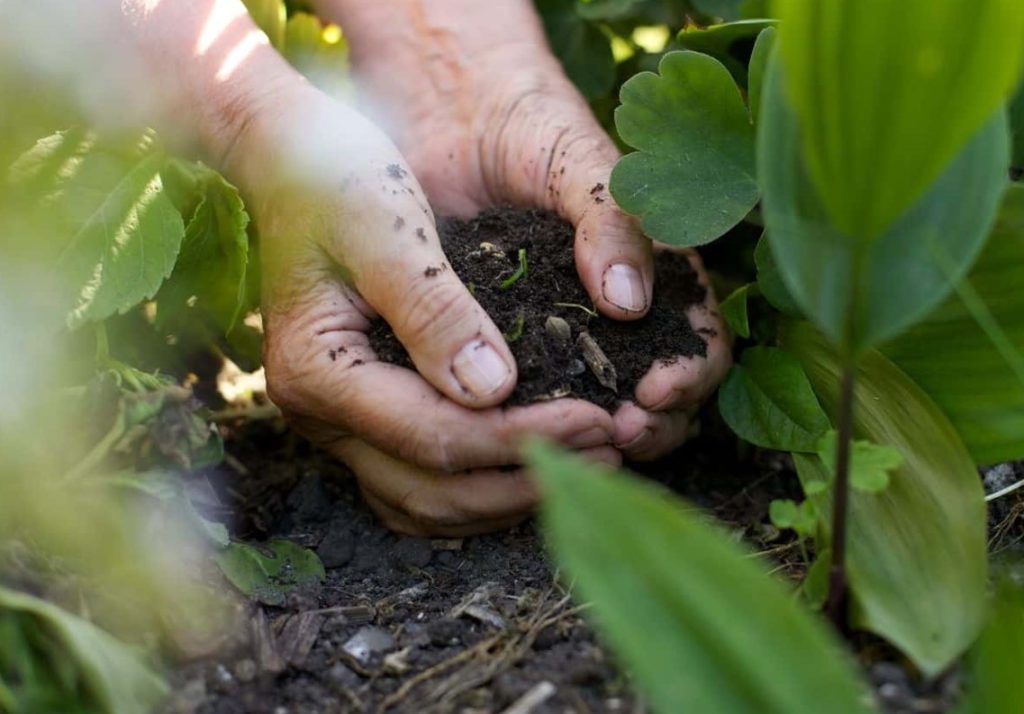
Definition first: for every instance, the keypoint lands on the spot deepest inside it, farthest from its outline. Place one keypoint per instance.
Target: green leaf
(994, 684)
(767, 400)
(727, 10)
(209, 280)
(917, 552)
(607, 9)
(584, 50)
(692, 178)
(1017, 127)
(108, 671)
(268, 573)
(954, 359)
(758, 63)
(800, 517)
(870, 463)
(887, 94)
(116, 232)
(734, 310)
(702, 625)
(860, 293)
(270, 16)
(770, 282)
(729, 43)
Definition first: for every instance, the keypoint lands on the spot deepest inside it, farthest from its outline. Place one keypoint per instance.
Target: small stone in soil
(338, 546)
(369, 642)
(413, 552)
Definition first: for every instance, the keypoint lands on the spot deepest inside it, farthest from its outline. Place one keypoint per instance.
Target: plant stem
(835, 606)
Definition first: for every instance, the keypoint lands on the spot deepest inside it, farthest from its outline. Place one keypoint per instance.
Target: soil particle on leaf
(484, 253)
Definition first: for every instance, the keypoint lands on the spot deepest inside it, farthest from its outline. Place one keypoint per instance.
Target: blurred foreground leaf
(917, 561)
(53, 661)
(115, 232)
(863, 292)
(886, 94)
(701, 624)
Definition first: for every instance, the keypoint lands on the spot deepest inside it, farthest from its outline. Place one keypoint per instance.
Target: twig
(537, 695)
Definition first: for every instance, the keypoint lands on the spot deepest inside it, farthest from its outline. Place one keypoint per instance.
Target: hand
(486, 116)
(347, 235)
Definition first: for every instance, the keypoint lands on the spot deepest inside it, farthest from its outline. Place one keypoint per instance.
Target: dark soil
(417, 626)
(484, 253)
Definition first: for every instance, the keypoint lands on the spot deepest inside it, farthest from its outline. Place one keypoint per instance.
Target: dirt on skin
(520, 267)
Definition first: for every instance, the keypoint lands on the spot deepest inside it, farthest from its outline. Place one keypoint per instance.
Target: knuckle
(432, 309)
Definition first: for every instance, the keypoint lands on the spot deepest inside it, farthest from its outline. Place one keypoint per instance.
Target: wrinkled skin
(348, 232)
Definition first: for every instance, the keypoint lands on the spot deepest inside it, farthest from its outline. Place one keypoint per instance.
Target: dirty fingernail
(589, 438)
(480, 369)
(623, 286)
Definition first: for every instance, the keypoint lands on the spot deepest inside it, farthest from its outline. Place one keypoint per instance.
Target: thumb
(405, 276)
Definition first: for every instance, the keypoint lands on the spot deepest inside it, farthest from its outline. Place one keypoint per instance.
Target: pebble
(245, 670)
(413, 552)
(338, 546)
(368, 643)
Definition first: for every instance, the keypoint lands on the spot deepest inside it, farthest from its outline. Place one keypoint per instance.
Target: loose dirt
(520, 267)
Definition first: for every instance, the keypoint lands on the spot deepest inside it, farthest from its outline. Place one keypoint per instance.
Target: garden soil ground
(416, 626)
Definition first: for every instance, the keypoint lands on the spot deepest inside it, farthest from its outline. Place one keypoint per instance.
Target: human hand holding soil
(483, 111)
(347, 235)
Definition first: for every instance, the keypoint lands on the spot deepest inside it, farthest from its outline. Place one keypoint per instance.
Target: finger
(555, 154)
(424, 503)
(643, 436)
(406, 278)
(613, 257)
(688, 381)
(322, 372)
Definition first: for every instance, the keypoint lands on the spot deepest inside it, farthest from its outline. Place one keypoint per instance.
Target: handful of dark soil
(519, 265)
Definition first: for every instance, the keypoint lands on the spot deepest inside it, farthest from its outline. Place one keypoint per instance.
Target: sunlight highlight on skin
(224, 13)
(240, 52)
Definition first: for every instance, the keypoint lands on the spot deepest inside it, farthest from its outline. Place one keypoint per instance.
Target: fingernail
(636, 441)
(623, 286)
(588, 439)
(480, 369)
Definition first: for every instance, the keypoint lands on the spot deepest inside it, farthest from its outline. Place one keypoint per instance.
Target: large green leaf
(703, 626)
(116, 234)
(86, 660)
(582, 47)
(888, 93)
(268, 573)
(858, 292)
(917, 558)
(692, 178)
(767, 400)
(952, 357)
(210, 275)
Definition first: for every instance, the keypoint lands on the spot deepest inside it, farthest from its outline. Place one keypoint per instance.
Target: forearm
(216, 70)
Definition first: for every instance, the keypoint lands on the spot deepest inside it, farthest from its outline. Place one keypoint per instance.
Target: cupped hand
(488, 119)
(347, 235)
